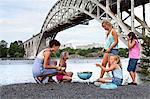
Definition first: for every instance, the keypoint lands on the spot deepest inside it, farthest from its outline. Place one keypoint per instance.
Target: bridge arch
(94, 9)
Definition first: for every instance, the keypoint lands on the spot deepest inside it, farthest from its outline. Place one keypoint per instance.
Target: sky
(21, 19)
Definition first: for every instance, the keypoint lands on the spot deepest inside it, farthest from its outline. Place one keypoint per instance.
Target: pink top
(134, 52)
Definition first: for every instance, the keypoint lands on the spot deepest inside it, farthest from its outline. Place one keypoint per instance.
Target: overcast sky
(21, 19)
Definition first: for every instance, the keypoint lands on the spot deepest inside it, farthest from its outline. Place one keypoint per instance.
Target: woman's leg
(104, 63)
(49, 73)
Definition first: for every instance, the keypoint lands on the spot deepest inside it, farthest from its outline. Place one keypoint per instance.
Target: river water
(20, 71)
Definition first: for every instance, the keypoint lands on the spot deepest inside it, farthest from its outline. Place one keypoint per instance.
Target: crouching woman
(43, 65)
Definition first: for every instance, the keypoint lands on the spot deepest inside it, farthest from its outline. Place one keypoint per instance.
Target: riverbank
(72, 91)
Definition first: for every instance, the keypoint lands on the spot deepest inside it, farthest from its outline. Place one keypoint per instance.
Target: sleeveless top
(117, 73)
(38, 67)
(109, 41)
(134, 52)
(41, 54)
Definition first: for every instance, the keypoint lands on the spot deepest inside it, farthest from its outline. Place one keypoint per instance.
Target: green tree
(3, 49)
(16, 49)
(145, 60)
(123, 52)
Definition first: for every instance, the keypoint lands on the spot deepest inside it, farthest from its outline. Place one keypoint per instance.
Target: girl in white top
(115, 67)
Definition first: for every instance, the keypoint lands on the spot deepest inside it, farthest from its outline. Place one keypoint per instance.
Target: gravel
(72, 91)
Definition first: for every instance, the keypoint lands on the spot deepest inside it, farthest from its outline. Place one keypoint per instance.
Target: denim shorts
(117, 81)
(114, 51)
(132, 64)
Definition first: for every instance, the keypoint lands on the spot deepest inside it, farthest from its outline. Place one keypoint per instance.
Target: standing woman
(111, 44)
(43, 66)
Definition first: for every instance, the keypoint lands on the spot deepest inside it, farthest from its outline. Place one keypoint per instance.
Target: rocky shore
(72, 91)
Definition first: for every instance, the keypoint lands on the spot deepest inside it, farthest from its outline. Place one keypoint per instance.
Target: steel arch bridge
(68, 13)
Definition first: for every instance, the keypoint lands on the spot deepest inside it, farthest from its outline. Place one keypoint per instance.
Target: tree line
(91, 52)
(16, 49)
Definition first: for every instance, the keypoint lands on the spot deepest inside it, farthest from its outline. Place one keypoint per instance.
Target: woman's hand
(100, 52)
(107, 51)
(58, 68)
(62, 68)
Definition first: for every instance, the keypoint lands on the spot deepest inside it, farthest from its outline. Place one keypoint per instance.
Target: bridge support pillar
(42, 45)
(119, 13)
(143, 29)
(107, 7)
(132, 16)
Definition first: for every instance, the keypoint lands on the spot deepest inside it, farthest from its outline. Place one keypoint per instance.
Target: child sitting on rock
(63, 75)
(115, 67)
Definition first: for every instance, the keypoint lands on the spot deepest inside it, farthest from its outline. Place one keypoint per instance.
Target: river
(20, 71)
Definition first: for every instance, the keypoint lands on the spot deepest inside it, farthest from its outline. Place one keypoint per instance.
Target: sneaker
(38, 80)
(55, 79)
(45, 80)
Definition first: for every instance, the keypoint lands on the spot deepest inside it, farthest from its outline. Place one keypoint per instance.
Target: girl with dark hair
(134, 56)
(43, 65)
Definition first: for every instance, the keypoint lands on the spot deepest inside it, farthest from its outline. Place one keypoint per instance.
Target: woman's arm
(112, 67)
(46, 61)
(131, 44)
(114, 34)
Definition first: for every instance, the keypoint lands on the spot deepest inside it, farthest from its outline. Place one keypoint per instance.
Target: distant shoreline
(15, 59)
(3, 59)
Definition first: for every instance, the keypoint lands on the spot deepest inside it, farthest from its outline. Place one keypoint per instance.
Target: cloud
(20, 19)
(89, 33)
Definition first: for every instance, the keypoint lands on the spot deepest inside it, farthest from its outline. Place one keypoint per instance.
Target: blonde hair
(107, 23)
(117, 59)
(64, 54)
